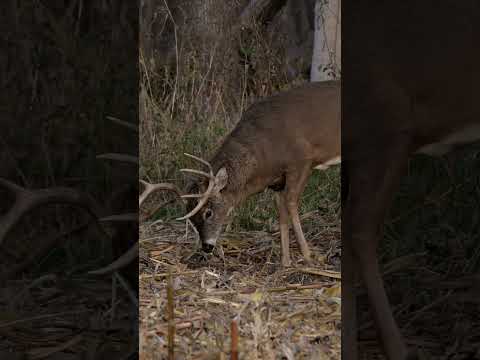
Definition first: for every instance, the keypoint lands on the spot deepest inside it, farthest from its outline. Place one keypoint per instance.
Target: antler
(123, 260)
(151, 188)
(203, 197)
(26, 200)
(132, 253)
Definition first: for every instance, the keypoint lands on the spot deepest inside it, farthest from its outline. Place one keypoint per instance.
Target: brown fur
(281, 133)
(412, 79)
(276, 144)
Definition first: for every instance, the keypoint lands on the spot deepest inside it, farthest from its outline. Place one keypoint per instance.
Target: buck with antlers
(398, 100)
(276, 144)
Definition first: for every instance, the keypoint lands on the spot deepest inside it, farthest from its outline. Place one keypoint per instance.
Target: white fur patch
(328, 163)
(464, 136)
(211, 241)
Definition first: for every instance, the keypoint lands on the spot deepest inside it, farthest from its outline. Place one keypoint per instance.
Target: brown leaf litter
(279, 313)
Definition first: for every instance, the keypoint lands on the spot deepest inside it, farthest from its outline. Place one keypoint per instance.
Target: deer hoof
(286, 263)
(308, 260)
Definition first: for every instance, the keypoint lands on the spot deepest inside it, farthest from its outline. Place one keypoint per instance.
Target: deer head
(209, 205)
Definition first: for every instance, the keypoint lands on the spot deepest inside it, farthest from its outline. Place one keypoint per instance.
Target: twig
(234, 335)
(160, 275)
(171, 320)
(327, 273)
(297, 287)
(182, 324)
(174, 95)
(41, 317)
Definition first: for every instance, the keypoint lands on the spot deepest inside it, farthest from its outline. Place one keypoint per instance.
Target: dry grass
(189, 108)
(189, 105)
(281, 313)
(291, 313)
(431, 259)
(53, 317)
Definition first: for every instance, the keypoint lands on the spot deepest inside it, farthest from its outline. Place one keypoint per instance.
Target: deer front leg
(296, 180)
(373, 182)
(283, 220)
(349, 302)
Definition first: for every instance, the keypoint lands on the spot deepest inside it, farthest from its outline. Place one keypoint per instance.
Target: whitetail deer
(276, 144)
(398, 100)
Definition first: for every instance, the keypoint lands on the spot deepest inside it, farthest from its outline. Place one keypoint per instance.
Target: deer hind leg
(295, 184)
(349, 281)
(284, 222)
(370, 192)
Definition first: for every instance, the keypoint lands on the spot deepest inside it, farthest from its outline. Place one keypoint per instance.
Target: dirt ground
(280, 313)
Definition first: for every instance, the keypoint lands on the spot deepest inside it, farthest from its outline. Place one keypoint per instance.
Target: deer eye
(207, 214)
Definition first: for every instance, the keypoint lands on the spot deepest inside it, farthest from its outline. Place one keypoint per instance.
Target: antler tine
(151, 188)
(27, 200)
(200, 160)
(123, 260)
(16, 189)
(132, 253)
(192, 196)
(203, 200)
(198, 172)
(203, 197)
(126, 124)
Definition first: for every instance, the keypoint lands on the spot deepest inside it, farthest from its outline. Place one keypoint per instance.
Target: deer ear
(221, 179)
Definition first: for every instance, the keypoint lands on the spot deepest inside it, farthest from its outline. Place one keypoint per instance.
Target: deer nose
(207, 247)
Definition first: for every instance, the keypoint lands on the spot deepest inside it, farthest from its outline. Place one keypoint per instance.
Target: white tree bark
(326, 59)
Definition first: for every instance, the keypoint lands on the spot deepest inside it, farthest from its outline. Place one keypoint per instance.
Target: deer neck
(242, 169)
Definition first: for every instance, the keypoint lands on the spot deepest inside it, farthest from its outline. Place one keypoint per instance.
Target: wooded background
(203, 63)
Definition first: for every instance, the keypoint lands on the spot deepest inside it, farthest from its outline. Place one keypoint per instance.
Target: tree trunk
(326, 59)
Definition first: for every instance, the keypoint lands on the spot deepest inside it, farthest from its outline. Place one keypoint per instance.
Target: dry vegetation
(431, 259)
(58, 317)
(189, 108)
(295, 313)
(292, 313)
(54, 124)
